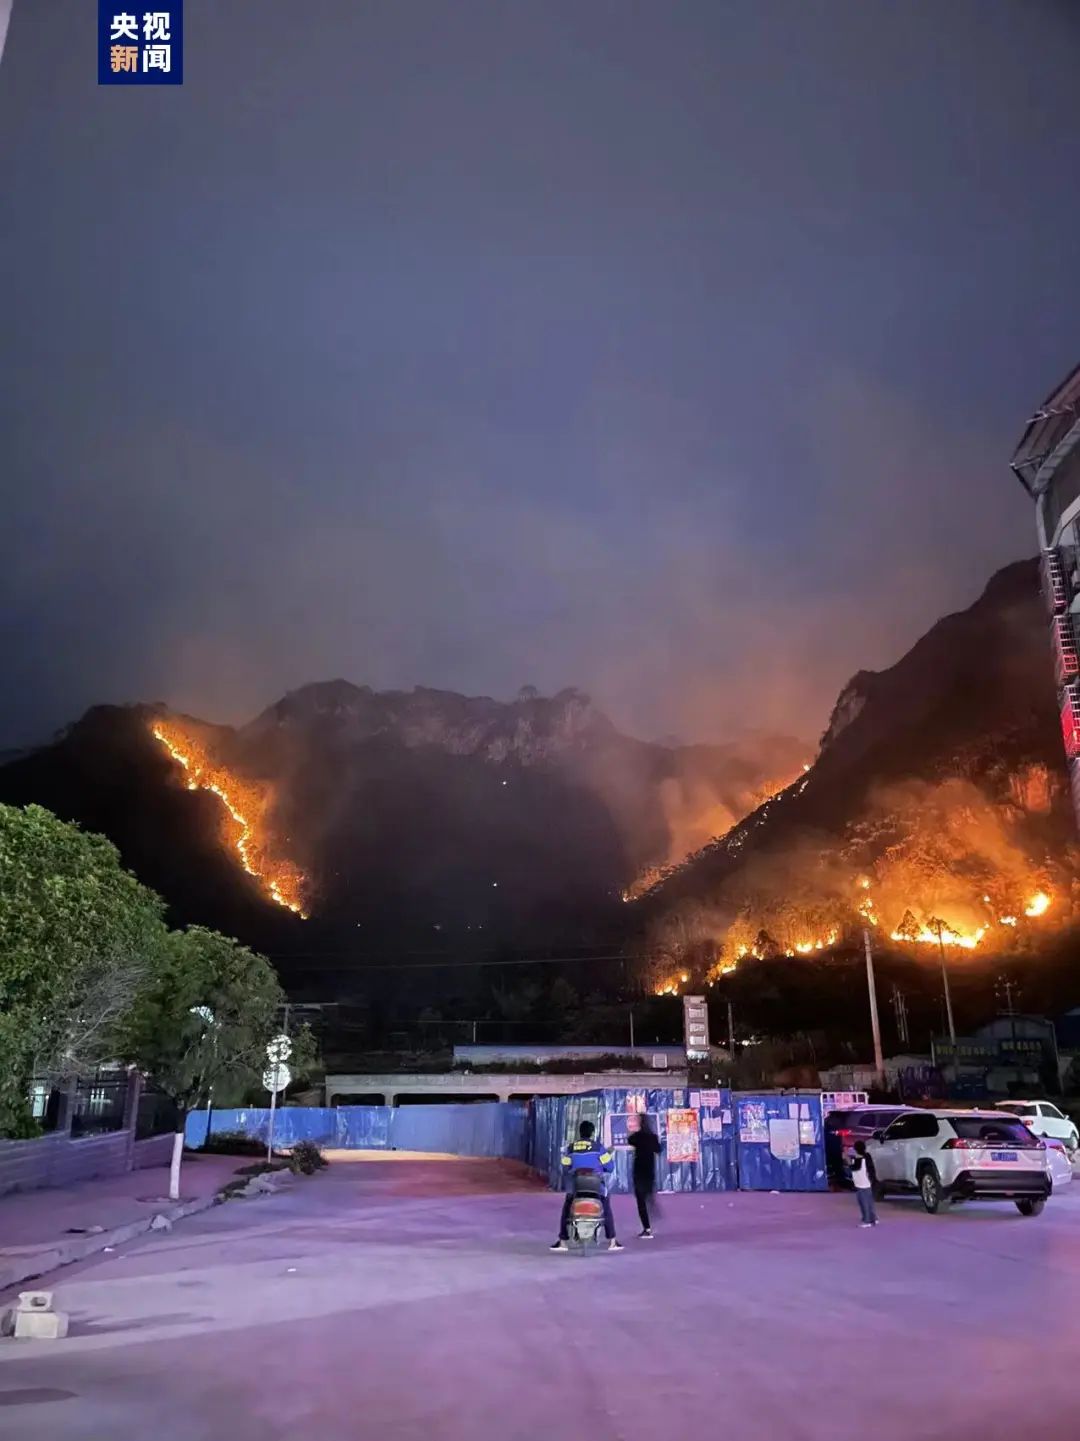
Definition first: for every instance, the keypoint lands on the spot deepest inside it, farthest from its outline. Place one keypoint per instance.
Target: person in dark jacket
(646, 1146)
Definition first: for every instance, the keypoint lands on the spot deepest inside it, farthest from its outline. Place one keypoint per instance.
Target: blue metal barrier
(781, 1142)
(695, 1129)
(498, 1129)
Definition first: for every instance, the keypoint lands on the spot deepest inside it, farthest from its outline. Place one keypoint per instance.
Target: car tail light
(958, 1143)
(845, 1134)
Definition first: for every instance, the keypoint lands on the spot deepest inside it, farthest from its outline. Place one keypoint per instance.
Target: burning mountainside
(727, 825)
(936, 812)
(927, 866)
(245, 805)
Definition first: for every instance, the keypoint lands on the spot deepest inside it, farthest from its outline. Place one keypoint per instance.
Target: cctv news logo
(137, 46)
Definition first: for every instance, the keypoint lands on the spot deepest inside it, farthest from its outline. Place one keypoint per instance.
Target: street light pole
(940, 926)
(5, 16)
(879, 1060)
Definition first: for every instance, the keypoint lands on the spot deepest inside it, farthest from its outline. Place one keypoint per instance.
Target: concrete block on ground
(35, 1319)
(40, 1325)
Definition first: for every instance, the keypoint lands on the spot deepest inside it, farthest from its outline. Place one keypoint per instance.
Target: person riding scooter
(586, 1154)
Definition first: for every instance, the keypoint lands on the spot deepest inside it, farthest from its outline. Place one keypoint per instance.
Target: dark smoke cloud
(695, 401)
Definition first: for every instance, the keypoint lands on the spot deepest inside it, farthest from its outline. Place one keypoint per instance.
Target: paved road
(416, 1302)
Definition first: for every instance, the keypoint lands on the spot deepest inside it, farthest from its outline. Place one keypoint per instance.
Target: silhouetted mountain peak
(530, 729)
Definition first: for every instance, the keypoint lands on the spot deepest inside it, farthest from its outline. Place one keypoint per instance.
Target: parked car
(1060, 1164)
(949, 1155)
(1044, 1118)
(844, 1128)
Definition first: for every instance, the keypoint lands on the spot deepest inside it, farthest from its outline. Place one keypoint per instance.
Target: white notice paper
(784, 1137)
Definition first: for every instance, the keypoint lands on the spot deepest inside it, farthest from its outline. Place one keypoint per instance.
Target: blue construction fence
(710, 1140)
(498, 1129)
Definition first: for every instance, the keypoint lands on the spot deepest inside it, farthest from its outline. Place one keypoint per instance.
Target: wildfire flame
(244, 805)
(930, 931)
(924, 936)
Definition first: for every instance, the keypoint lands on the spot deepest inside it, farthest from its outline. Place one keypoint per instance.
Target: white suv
(960, 1155)
(1044, 1118)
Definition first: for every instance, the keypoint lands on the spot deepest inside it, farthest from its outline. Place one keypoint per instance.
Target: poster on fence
(784, 1137)
(752, 1124)
(619, 1126)
(682, 1136)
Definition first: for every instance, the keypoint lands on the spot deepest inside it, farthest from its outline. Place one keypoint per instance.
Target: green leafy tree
(80, 940)
(203, 1029)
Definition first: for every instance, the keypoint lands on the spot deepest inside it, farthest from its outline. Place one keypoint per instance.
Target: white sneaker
(614, 1245)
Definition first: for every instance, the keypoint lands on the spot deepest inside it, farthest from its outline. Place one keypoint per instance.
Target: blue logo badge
(140, 47)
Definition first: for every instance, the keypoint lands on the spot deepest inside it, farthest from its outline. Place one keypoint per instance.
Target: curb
(65, 1253)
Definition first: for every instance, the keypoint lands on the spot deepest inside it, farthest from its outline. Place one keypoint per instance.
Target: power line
(461, 965)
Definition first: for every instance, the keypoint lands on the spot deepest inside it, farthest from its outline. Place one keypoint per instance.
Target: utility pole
(875, 1025)
(5, 16)
(939, 927)
(631, 1028)
(731, 1031)
(1005, 987)
(899, 1005)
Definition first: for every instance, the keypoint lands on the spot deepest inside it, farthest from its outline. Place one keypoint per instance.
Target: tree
(80, 939)
(205, 1025)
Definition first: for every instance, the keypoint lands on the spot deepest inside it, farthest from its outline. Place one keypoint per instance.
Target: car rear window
(880, 1120)
(982, 1128)
(838, 1120)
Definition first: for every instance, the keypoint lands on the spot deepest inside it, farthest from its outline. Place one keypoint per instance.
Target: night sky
(675, 351)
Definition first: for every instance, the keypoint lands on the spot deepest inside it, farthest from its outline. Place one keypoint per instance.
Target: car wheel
(930, 1190)
(1030, 1208)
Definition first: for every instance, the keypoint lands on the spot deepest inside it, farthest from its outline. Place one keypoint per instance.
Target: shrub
(233, 1143)
(307, 1158)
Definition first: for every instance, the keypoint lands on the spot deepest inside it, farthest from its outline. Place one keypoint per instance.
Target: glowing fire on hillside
(926, 866)
(245, 803)
(930, 931)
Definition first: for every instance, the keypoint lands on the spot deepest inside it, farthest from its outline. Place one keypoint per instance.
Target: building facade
(1047, 464)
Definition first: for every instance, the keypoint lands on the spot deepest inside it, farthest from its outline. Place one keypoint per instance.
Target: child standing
(860, 1175)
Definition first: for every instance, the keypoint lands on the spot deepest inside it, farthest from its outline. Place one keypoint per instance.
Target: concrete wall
(156, 1151)
(59, 1161)
(447, 1085)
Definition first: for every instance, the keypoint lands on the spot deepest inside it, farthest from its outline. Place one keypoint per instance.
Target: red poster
(682, 1136)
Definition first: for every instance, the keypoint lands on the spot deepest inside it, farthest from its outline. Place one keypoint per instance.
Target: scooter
(586, 1210)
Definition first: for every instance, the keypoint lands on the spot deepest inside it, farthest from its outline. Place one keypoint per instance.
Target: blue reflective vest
(587, 1156)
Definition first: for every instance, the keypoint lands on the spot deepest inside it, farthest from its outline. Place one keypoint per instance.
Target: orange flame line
(194, 772)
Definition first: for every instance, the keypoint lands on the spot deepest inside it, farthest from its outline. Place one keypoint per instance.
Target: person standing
(864, 1186)
(646, 1146)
